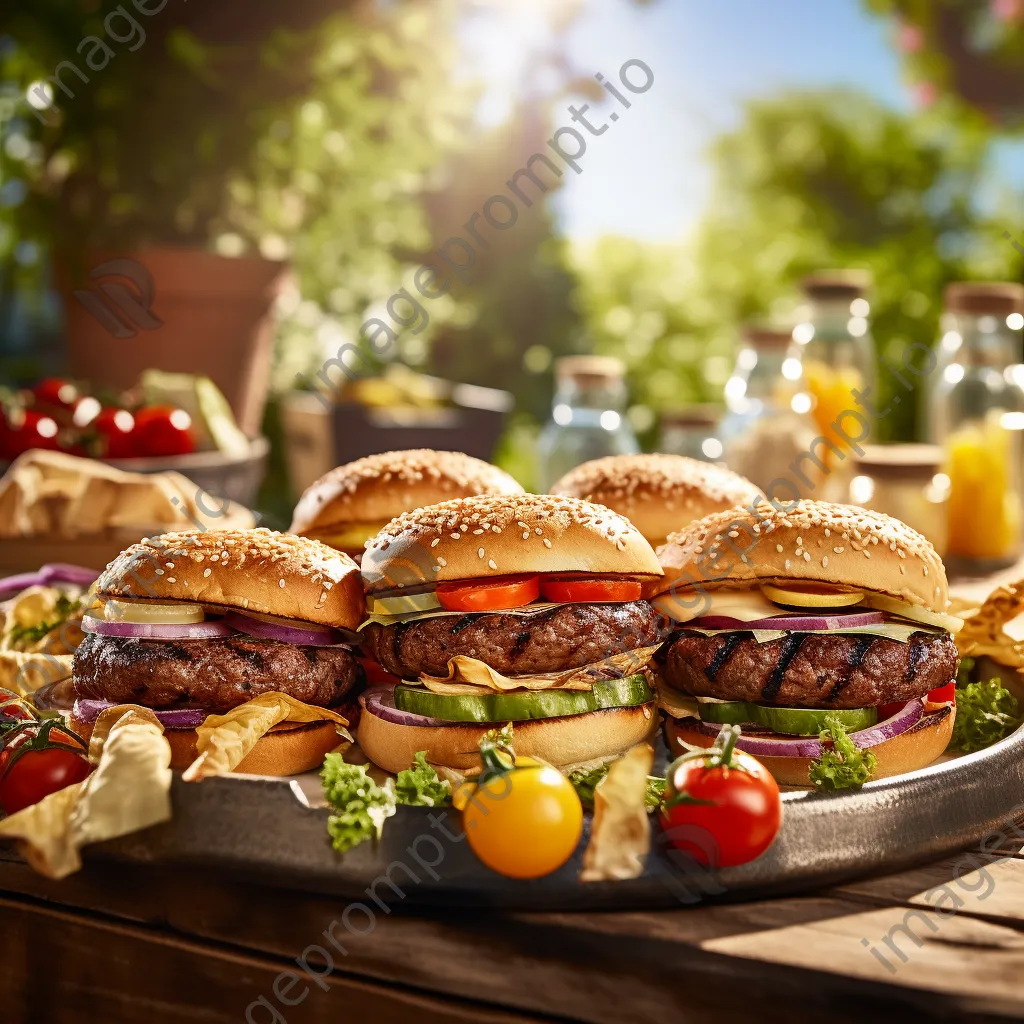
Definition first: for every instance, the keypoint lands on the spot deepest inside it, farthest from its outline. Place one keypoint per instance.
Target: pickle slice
(522, 706)
(788, 721)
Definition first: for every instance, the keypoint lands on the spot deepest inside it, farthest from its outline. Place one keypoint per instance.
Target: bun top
(251, 570)
(815, 541)
(379, 487)
(494, 535)
(659, 494)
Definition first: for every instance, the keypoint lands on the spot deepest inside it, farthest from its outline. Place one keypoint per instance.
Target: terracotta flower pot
(180, 310)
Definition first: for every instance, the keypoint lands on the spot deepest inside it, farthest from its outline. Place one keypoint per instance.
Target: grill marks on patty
(564, 637)
(808, 670)
(214, 674)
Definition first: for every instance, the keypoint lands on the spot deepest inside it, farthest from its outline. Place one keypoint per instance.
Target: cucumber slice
(788, 721)
(523, 706)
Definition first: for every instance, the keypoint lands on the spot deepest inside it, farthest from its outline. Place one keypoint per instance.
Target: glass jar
(904, 481)
(976, 412)
(837, 352)
(765, 431)
(587, 417)
(692, 432)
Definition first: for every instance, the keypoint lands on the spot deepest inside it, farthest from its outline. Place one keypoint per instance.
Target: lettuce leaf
(586, 781)
(362, 806)
(419, 786)
(986, 712)
(845, 766)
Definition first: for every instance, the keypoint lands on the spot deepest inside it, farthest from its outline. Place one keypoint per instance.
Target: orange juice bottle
(838, 356)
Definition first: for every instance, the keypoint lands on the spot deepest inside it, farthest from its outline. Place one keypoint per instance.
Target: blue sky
(648, 177)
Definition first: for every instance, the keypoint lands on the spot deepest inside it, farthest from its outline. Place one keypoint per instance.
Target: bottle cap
(705, 415)
(767, 337)
(836, 285)
(589, 368)
(899, 459)
(988, 298)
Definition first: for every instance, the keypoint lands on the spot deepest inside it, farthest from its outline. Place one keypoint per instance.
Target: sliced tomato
(489, 595)
(580, 590)
(943, 694)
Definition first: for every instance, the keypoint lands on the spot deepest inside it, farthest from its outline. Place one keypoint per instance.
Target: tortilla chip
(984, 632)
(224, 740)
(468, 676)
(26, 673)
(620, 837)
(128, 791)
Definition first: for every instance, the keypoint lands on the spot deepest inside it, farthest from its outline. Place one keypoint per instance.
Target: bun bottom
(559, 741)
(916, 748)
(290, 748)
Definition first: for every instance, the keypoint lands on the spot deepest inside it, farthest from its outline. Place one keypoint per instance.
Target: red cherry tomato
(54, 391)
(116, 431)
(943, 694)
(488, 595)
(37, 760)
(27, 429)
(582, 590)
(163, 430)
(721, 806)
(14, 710)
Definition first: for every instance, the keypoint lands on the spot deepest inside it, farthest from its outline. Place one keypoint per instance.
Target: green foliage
(844, 766)
(585, 781)
(810, 180)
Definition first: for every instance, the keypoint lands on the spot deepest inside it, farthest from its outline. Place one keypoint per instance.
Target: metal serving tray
(267, 830)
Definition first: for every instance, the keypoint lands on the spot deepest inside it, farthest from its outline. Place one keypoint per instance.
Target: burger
(509, 608)
(354, 502)
(789, 620)
(658, 493)
(196, 623)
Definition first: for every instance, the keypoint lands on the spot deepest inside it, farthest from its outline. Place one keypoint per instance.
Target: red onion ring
(794, 623)
(302, 634)
(209, 630)
(173, 718)
(55, 572)
(761, 746)
(381, 704)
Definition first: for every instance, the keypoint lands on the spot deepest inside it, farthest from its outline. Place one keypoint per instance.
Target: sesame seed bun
(659, 494)
(816, 541)
(251, 570)
(494, 535)
(290, 748)
(916, 748)
(376, 489)
(559, 741)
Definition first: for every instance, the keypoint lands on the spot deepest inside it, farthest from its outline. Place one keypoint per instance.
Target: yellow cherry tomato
(524, 822)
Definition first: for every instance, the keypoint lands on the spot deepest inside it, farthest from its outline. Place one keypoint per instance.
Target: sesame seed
(867, 554)
(437, 568)
(824, 562)
(171, 579)
(828, 532)
(839, 550)
(807, 556)
(926, 570)
(479, 552)
(547, 543)
(441, 561)
(903, 571)
(537, 530)
(159, 572)
(169, 565)
(799, 541)
(206, 573)
(491, 563)
(456, 536)
(778, 547)
(282, 585)
(526, 535)
(787, 563)
(435, 542)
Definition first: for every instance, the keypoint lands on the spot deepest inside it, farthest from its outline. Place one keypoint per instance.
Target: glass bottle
(765, 430)
(692, 432)
(587, 417)
(836, 349)
(976, 412)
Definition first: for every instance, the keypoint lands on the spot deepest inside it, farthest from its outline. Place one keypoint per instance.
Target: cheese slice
(745, 605)
(469, 676)
(412, 616)
(901, 632)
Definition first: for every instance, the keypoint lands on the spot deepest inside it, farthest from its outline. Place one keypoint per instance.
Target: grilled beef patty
(808, 670)
(213, 674)
(564, 637)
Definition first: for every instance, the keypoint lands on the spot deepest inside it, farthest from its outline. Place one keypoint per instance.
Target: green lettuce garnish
(24, 636)
(963, 672)
(986, 712)
(844, 766)
(585, 781)
(419, 786)
(361, 805)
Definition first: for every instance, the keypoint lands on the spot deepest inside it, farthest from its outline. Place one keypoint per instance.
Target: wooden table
(114, 945)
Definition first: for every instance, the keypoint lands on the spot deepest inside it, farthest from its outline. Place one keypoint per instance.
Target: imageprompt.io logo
(121, 309)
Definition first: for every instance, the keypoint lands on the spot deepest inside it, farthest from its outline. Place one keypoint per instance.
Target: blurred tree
(809, 181)
(972, 50)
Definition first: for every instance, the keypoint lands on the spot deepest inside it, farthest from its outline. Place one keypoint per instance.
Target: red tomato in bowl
(163, 430)
(57, 393)
(116, 431)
